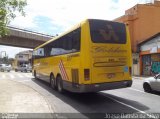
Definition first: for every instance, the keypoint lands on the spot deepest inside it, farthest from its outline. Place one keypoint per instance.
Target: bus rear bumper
(81, 88)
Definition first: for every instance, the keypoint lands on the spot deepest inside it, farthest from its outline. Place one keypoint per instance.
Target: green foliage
(8, 8)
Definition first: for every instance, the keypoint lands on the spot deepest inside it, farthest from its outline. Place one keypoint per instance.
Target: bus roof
(55, 38)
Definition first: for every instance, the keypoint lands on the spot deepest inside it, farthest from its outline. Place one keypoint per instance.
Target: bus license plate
(111, 75)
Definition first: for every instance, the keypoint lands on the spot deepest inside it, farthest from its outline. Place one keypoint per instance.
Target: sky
(56, 16)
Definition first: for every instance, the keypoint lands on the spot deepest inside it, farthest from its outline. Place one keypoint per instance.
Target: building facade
(23, 58)
(143, 21)
(150, 56)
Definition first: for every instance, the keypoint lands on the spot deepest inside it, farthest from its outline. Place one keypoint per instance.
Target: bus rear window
(107, 32)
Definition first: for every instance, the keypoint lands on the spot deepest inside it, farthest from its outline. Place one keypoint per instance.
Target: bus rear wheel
(52, 82)
(59, 84)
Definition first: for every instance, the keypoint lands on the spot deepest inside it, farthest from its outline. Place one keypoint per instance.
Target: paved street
(18, 76)
(128, 100)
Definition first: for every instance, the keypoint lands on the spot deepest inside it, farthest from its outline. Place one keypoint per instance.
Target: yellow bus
(93, 56)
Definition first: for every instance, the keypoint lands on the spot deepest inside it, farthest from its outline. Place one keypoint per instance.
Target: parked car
(24, 68)
(5, 67)
(152, 83)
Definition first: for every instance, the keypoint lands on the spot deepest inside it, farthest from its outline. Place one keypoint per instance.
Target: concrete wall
(136, 64)
(20, 42)
(22, 57)
(23, 38)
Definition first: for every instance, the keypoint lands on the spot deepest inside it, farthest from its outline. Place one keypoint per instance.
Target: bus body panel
(85, 52)
(107, 62)
(110, 66)
(57, 65)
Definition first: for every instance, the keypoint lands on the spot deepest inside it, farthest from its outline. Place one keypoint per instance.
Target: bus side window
(41, 52)
(64, 45)
(54, 48)
(76, 40)
(47, 50)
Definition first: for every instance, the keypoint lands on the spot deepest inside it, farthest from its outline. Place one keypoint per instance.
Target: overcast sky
(56, 16)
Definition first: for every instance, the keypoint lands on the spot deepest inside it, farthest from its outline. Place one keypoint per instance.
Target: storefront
(150, 56)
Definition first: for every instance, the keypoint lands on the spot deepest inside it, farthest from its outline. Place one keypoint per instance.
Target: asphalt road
(128, 100)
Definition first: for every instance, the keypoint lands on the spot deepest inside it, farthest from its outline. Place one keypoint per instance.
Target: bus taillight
(86, 74)
(130, 70)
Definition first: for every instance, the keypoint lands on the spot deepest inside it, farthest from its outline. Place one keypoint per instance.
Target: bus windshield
(107, 32)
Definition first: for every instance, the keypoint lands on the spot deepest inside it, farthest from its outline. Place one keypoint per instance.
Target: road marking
(142, 91)
(21, 81)
(15, 75)
(12, 76)
(151, 116)
(136, 90)
(3, 76)
(19, 75)
(27, 75)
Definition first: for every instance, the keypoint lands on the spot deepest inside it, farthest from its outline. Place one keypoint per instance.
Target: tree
(7, 12)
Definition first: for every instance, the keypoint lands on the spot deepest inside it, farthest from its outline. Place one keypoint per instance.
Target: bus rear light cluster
(86, 74)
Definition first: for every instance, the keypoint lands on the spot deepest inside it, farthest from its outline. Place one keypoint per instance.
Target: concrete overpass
(23, 38)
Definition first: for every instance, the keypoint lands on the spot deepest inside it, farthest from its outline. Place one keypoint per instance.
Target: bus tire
(52, 82)
(59, 84)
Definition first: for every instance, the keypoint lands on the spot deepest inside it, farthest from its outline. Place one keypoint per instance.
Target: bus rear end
(109, 56)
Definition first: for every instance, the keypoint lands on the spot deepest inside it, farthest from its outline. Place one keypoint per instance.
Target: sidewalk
(18, 98)
(140, 77)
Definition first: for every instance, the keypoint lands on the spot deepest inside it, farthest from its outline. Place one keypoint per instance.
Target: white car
(5, 67)
(24, 68)
(152, 84)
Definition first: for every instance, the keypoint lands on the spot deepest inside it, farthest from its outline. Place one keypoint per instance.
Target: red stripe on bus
(63, 70)
(62, 73)
(65, 73)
